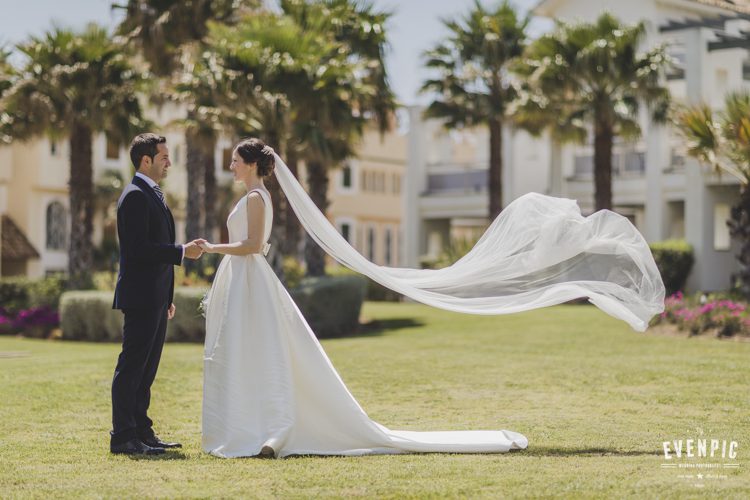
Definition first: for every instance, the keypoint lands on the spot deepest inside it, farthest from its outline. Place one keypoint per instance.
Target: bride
(269, 388)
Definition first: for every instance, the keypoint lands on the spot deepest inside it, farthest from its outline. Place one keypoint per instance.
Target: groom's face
(160, 164)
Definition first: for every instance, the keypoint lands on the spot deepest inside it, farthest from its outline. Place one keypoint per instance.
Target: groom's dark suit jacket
(147, 250)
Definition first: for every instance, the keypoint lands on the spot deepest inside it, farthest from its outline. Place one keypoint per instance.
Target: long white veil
(538, 252)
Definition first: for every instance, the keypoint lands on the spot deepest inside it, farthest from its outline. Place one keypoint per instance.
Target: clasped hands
(194, 250)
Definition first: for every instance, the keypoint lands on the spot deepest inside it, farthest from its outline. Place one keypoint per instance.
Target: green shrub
(188, 324)
(17, 294)
(88, 315)
(674, 258)
(46, 292)
(293, 272)
(374, 290)
(14, 295)
(331, 304)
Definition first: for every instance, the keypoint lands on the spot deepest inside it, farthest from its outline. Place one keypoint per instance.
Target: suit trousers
(143, 336)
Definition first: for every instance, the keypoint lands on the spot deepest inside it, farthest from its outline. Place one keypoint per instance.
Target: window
(721, 230)
(57, 226)
(371, 244)
(346, 231)
(365, 181)
(346, 177)
(388, 243)
(113, 149)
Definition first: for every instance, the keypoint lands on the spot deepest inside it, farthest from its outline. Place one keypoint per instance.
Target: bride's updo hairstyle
(256, 151)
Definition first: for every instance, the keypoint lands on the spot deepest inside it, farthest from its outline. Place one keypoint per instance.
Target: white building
(663, 192)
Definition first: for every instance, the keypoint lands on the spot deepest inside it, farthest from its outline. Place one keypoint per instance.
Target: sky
(414, 27)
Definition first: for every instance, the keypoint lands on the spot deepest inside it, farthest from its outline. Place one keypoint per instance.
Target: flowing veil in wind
(538, 252)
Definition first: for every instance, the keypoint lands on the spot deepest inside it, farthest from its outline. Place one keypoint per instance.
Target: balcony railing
(465, 180)
(627, 164)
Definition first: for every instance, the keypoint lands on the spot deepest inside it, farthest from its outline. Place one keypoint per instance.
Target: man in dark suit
(144, 293)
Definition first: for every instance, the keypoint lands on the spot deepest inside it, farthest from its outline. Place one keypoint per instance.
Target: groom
(144, 293)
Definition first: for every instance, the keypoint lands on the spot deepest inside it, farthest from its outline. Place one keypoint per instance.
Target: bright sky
(414, 28)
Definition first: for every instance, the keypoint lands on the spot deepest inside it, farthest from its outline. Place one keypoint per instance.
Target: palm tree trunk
(603, 138)
(209, 186)
(80, 256)
(495, 173)
(317, 180)
(292, 227)
(194, 226)
(739, 228)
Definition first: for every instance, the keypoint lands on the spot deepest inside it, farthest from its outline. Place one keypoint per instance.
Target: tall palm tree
(722, 141)
(74, 85)
(170, 34)
(592, 76)
(472, 86)
(339, 96)
(316, 57)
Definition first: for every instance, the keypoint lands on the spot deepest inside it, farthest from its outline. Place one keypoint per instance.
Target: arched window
(57, 226)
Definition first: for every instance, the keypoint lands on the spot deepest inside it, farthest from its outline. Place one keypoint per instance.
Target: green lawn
(595, 399)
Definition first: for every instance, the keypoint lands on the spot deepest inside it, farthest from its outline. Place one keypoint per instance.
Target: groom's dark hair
(145, 145)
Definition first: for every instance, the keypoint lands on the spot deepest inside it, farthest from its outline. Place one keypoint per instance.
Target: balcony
(626, 164)
(456, 179)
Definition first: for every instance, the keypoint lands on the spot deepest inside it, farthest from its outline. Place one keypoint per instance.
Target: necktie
(160, 194)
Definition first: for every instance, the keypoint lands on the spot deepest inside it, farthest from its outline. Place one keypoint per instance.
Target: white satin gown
(268, 382)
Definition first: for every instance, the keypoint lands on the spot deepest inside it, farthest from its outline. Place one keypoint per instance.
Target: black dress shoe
(155, 442)
(135, 447)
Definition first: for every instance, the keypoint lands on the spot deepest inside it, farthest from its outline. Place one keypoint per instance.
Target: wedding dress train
(268, 382)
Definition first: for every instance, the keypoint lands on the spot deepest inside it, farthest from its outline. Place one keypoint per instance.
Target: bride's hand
(206, 246)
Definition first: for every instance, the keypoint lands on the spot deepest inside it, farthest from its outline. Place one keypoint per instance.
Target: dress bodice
(237, 220)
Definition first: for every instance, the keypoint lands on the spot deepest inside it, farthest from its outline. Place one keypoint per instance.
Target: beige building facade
(365, 196)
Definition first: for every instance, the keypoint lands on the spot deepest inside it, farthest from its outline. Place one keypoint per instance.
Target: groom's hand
(170, 311)
(192, 250)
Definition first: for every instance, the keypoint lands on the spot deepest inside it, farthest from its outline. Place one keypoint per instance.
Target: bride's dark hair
(255, 151)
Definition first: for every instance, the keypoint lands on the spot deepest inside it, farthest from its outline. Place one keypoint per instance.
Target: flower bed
(35, 322)
(698, 314)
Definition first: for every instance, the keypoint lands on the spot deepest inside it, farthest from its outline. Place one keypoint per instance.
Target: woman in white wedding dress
(269, 388)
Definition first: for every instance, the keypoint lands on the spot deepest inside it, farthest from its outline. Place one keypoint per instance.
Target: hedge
(17, 294)
(331, 305)
(674, 258)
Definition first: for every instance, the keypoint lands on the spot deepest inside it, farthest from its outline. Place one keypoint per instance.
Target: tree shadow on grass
(377, 327)
(542, 451)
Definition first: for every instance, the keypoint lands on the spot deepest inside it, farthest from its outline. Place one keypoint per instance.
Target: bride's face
(239, 168)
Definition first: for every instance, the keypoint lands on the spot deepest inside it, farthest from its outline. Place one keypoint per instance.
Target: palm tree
(317, 79)
(591, 76)
(74, 85)
(7, 71)
(7, 77)
(473, 86)
(338, 97)
(170, 34)
(722, 140)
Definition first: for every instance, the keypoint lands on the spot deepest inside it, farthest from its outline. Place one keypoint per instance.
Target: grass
(595, 399)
